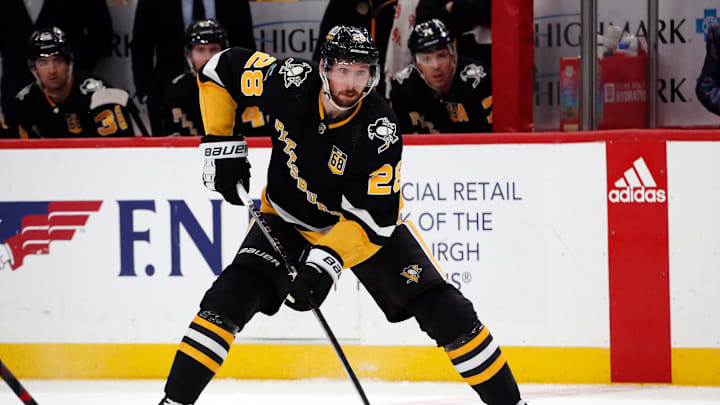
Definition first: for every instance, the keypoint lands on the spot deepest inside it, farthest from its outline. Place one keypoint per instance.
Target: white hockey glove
(225, 165)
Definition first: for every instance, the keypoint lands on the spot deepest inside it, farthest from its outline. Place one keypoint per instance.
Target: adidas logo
(637, 185)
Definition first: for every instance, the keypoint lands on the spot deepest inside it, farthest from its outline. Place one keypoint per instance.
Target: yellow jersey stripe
(346, 120)
(199, 356)
(220, 119)
(469, 346)
(488, 373)
(225, 335)
(321, 111)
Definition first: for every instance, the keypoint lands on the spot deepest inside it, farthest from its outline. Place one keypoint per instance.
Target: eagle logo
(294, 73)
(384, 130)
(473, 71)
(412, 273)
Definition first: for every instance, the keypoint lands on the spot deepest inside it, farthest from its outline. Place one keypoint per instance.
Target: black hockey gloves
(314, 279)
(225, 165)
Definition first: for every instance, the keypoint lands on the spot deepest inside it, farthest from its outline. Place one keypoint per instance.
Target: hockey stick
(15, 385)
(135, 113)
(277, 246)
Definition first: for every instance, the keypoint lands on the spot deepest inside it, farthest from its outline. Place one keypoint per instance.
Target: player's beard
(346, 98)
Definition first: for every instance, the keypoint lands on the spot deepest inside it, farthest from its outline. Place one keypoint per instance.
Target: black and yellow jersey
(467, 107)
(337, 182)
(92, 109)
(181, 111)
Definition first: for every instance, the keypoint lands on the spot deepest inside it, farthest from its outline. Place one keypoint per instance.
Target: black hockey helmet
(347, 44)
(48, 42)
(429, 36)
(201, 32)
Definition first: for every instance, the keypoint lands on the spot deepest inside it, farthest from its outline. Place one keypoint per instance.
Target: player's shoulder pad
(209, 71)
(226, 65)
(294, 71)
(108, 96)
(24, 92)
(472, 71)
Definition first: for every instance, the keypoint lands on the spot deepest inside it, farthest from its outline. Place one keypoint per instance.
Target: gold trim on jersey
(339, 123)
(49, 99)
(347, 238)
(217, 108)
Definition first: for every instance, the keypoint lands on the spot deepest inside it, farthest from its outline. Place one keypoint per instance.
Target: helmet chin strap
(190, 63)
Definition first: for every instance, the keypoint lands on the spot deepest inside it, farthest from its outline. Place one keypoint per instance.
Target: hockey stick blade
(15, 385)
(277, 246)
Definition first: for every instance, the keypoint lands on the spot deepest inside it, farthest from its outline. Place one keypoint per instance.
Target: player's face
(53, 71)
(347, 82)
(437, 67)
(200, 54)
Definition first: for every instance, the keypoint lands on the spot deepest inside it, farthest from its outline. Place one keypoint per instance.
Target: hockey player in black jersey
(332, 200)
(63, 104)
(441, 91)
(181, 106)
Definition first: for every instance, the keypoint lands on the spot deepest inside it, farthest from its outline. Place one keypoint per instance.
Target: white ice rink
(338, 392)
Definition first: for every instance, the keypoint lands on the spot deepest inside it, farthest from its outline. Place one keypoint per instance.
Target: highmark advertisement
(101, 250)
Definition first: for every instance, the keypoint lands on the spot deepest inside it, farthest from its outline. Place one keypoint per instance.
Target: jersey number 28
(252, 80)
(381, 180)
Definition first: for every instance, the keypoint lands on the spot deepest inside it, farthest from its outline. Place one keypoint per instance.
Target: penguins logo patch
(403, 74)
(412, 273)
(91, 85)
(294, 73)
(475, 72)
(384, 130)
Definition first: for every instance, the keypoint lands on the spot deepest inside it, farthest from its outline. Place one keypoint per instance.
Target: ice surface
(341, 392)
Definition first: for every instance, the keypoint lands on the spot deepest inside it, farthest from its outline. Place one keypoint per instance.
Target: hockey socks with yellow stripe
(479, 360)
(449, 318)
(200, 354)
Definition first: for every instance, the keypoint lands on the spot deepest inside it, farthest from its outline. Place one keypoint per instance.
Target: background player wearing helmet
(61, 104)
(181, 107)
(332, 199)
(441, 91)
